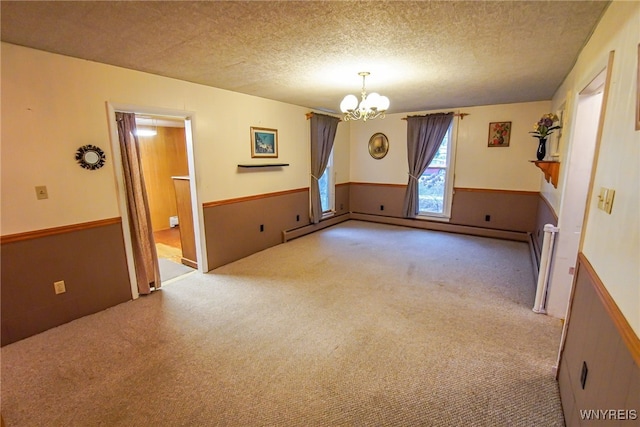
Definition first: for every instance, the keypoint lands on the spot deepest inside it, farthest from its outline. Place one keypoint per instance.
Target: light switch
(41, 192)
(602, 197)
(608, 203)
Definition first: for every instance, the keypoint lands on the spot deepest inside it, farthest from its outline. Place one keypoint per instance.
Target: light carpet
(359, 324)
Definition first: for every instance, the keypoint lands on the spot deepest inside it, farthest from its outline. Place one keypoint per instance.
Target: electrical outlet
(487, 218)
(41, 192)
(297, 217)
(261, 228)
(59, 287)
(381, 207)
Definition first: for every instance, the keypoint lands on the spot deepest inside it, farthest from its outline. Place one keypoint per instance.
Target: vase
(542, 148)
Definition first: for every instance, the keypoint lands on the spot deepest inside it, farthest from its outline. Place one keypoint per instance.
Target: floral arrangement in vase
(541, 130)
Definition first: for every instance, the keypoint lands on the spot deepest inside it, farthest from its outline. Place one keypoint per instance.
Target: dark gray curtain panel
(323, 133)
(424, 136)
(144, 249)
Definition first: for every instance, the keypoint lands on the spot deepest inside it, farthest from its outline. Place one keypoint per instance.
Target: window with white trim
(327, 188)
(435, 186)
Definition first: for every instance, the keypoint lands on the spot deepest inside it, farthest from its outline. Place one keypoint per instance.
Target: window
(327, 185)
(436, 183)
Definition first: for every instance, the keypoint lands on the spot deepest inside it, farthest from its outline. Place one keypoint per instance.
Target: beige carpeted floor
(359, 324)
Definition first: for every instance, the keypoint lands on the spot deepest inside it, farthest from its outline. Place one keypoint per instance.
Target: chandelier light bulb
(373, 101)
(383, 103)
(372, 106)
(349, 103)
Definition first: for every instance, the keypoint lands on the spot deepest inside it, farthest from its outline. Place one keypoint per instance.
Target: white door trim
(198, 223)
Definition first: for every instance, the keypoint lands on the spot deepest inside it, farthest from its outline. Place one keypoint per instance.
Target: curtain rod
(310, 114)
(461, 115)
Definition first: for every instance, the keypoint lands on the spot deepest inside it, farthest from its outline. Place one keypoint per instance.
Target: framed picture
(499, 134)
(378, 145)
(264, 142)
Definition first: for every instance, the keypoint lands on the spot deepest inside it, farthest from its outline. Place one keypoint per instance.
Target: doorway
(578, 186)
(163, 154)
(152, 117)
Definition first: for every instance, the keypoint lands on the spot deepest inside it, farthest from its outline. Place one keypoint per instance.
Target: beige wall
(612, 242)
(52, 104)
(477, 166)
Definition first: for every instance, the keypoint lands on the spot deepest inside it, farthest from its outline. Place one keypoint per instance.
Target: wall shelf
(262, 165)
(550, 169)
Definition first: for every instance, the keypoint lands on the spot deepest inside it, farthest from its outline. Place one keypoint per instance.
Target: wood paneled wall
(163, 156)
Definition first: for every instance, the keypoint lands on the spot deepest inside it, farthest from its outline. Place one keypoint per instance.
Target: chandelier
(370, 107)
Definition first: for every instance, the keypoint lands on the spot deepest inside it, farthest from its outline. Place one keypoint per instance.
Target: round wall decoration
(378, 145)
(90, 157)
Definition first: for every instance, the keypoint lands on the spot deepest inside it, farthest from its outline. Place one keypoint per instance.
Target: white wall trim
(189, 118)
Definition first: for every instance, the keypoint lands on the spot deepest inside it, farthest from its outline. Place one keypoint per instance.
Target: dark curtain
(323, 133)
(144, 249)
(424, 136)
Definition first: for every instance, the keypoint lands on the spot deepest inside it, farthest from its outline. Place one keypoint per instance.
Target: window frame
(447, 197)
(331, 184)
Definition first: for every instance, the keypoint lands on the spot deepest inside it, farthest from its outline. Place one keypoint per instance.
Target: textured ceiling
(422, 55)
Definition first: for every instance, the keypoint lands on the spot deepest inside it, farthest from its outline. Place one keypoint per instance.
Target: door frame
(603, 79)
(198, 217)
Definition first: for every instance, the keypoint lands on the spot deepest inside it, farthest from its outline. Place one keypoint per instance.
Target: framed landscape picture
(499, 134)
(264, 142)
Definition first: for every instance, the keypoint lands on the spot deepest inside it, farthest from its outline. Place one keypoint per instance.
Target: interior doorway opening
(578, 191)
(152, 117)
(578, 185)
(163, 154)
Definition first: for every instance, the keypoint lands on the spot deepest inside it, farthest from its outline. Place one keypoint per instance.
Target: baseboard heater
(443, 226)
(310, 228)
(548, 243)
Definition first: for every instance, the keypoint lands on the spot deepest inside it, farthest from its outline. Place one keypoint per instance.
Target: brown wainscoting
(343, 204)
(89, 257)
(10, 238)
(506, 209)
(236, 228)
(253, 197)
(545, 215)
(377, 199)
(599, 336)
